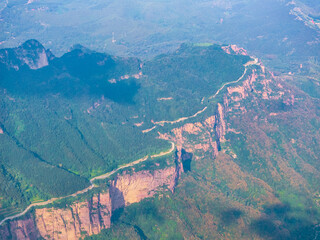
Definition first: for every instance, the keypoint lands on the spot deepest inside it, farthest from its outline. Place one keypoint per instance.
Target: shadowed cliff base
(186, 159)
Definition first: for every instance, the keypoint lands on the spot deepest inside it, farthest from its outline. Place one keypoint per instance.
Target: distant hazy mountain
(267, 29)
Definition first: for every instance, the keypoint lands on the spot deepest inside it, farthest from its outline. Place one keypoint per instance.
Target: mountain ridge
(248, 163)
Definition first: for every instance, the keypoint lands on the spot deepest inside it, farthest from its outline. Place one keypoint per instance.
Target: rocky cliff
(127, 189)
(31, 53)
(88, 217)
(211, 131)
(81, 218)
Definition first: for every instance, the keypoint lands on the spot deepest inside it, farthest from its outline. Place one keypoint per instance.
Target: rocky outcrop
(90, 216)
(81, 218)
(211, 132)
(127, 189)
(208, 135)
(220, 126)
(234, 49)
(31, 53)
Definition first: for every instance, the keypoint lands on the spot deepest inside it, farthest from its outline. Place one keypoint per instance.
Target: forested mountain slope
(245, 166)
(86, 113)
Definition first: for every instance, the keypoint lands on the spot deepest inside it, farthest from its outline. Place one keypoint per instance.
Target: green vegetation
(75, 119)
(273, 172)
(118, 232)
(62, 130)
(142, 222)
(203, 44)
(156, 27)
(308, 78)
(83, 115)
(188, 75)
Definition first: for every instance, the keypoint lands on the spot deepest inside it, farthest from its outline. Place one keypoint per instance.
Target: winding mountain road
(104, 176)
(161, 123)
(181, 119)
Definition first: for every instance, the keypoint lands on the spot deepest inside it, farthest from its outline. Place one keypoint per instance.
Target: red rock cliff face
(24, 228)
(208, 134)
(89, 216)
(81, 218)
(127, 189)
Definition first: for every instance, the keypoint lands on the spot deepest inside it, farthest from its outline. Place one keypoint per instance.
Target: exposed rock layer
(88, 217)
(211, 132)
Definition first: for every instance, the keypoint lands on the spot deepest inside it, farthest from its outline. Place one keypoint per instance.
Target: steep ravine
(90, 216)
